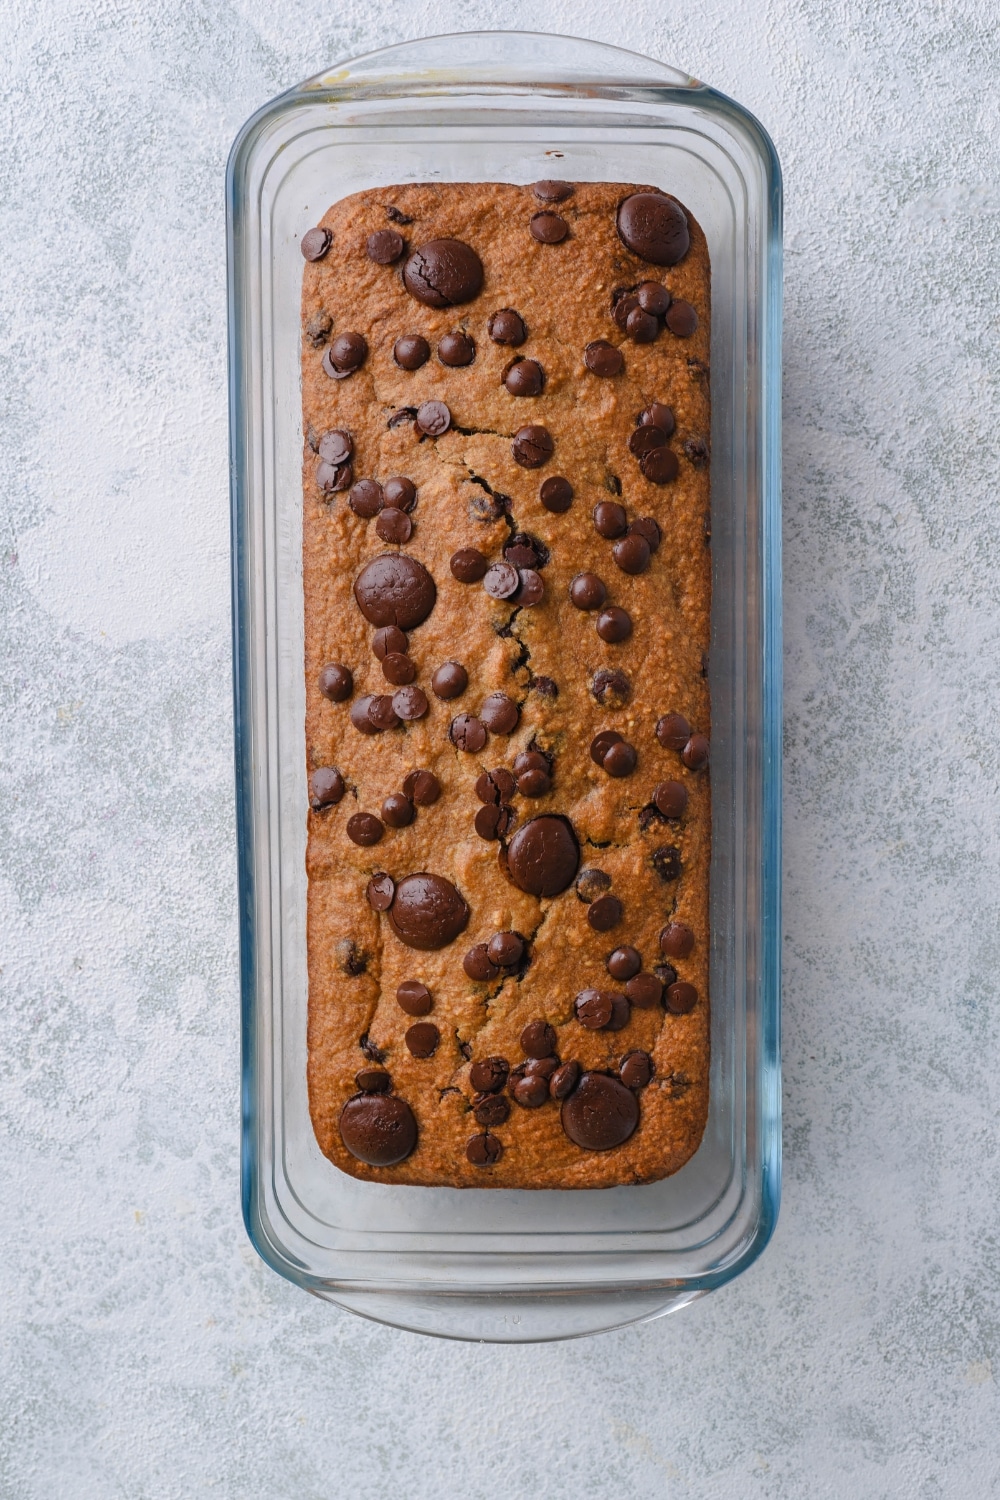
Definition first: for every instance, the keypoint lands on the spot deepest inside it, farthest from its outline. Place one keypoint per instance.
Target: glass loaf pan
(507, 107)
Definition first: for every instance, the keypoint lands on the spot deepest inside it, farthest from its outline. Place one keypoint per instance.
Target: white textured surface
(146, 1354)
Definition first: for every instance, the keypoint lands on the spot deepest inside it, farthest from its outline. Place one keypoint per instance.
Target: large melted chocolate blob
(443, 273)
(544, 856)
(394, 589)
(654, 228)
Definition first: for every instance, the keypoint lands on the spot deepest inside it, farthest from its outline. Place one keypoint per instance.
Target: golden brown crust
(563, 292)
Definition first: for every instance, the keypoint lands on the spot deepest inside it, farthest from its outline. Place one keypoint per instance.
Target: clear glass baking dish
(495, 1265)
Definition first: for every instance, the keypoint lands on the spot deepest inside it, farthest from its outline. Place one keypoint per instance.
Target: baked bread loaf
(507, 589)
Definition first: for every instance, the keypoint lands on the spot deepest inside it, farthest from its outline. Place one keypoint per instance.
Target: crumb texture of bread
(508, 956)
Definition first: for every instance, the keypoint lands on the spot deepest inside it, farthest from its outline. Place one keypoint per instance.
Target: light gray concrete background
(146, 1353)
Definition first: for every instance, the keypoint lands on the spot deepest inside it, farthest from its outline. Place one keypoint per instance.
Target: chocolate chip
(388, 641)
(345, 354)
(563, 1081)
(524, 378)
(603, 359)
(489, 1074)
(666, 974)
(487, 821)
(433, 418)
(394, 526)
(660, 465)
(483, 1150)
(611, 688)
(619, 759)
(590, 883)
(499, 713)
(493, 1110)
(336, 682)
(623, 305)
(414, 998)
(631, 553)
(361, 715)
(368, 1047)
(546, 687)
(396, 215)
(326, 788)
(331, 479)
(467, 733)
(671, 799)
(501, 581)
(410, 703)
(410, 351)
(642, 326)
(551, 190)
(506, 949)
(623, 963)
(556, 494)
(681, 998)
(667, 862)
(587, 591)
(336, 447)
(394, 589)
(384, 246)
(681, 319)
(696, 450)
(695, 753)
(508, 817)
(548, 228)
(601, 744)
(507, 327)
(593, 1008)
(531, 1091)
(422, 1038)
(610, 519)
(534, 783)
(530, 760)
(456, 350)
(614, 625)
(495, 786)
(398, 669)
(531, 590)
(373, 1081)
(487, 507)
(443, 273)
(636, 1069)
(543, 856)
(658, 415)
(604, 913)
(400, 492)
(427, 911)
(401, 417)
(477, 965)
(422, 787)
(538, 1039)
(620, 1014)
(644, 991)
(380, 891)
(315, 243)
(398, 811)
(364, 829)
(366, 498)
(653, 298)
(532, 446)
(382, 713)
(654, 227)
(648, 528)
(468, 565)
(319, 328)
(644, 439)
(378, 1129)
(352, 961)
(673, 731)
(676, 940)
(450, 681)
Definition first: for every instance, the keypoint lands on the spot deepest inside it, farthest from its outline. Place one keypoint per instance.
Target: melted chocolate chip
(400, 492)
(649, 529)
(484, 1150)
(427, 911)
(658, 415)
(489, 1074)
(548, 228)
(593, 1008)
(644, 991)
(619, 759)
(388, 641)
(468, 733)
(345, 354)
(610, 519)
(396, 215)
(695, 753)
(660, 465)
(433, 418)
(380, 891)
(361, 715)
(422, 787)
(487, 821)
(398, 811)
(623, 304)
(667, 862)
(696, 450)
(366, 498)
(456, 349)
(336, 682)
(315, 243)
(499, 713)
(378, 1129)
(332, 479)
(507, 327)
(414, 998)
(409, 704)
(422, 1039)
(673, 731)
(491, 1109)
(524, 378)
(563, 1080)
(654, 227)
(587, 591)
(373, 1081)
(495, 786)
(384, 246)
(681, 998)
(543, 856)
(410, 351)
(631, 553)
(532, 446)
(551, 190)
(364, 829)
(600, 1113)
(604, 913)
(534, 783)
(501, 581)
(382, 712)
(590, 883)
(681, 319)
(602, 743)
(623, 963)
(671, 799)
(468, 565)
(614, 625)
(642, 327)
(556, 494)
(538, 1039)
(394, 526)
(531, 590)
(394, 589)
(450, 681)
(443, 273)
(546, 687)
(326, 788)
(506, 949)
(676, 940)
(653, 298)
(636, 1069)
(611, 688)
(644, 439)
(603, 359)
(478, 966)
(336, 447)
(531, 1091)
(398, 668)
